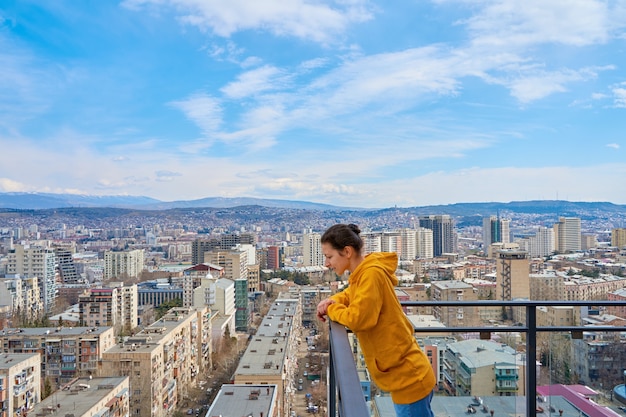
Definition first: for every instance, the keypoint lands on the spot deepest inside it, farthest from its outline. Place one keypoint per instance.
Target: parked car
(299, 387)
(189, 411)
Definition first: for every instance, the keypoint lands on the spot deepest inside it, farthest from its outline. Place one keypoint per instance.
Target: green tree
(47, 388)
(166, 306)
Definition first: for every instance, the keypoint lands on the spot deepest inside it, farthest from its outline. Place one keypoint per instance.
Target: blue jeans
(420, 408)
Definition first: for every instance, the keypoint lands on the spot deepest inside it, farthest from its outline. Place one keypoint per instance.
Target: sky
(353, 103)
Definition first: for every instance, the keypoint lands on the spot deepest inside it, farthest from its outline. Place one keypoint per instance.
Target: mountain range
(15, 201)
(39, 201)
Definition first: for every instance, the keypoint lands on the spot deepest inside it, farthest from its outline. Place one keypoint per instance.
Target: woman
(370, 308)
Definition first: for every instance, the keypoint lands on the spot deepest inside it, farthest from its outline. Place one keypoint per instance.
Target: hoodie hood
(387, 261)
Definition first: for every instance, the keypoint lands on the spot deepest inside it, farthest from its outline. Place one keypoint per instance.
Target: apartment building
(114, 305)
(35, 262)
(275, 257)
(312, 249)
(66, 266)
(567, 236)
(546, 286)
(22, 296)
(20, 383)
(434, 347)
(163, 361)
(452, 316)
(65, 352)
(599, 357)
(235, 270)
(88, 397)
(424, 238)
(245, 400)
(555, 316)
(270, 358)
(617, 295)
(586, 288)
(618, 237)
(483, 368)
(118, 264)
(192, 278)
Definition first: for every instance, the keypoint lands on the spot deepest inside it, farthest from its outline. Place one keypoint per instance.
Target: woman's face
(334, 259)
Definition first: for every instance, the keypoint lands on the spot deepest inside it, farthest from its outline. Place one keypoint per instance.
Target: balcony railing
(346, 398)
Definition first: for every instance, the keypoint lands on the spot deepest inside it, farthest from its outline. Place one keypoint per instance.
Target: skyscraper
(567, 235)
(444, 237)
(495, 230)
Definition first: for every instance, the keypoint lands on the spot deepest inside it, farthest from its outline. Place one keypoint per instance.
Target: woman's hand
(322, 308)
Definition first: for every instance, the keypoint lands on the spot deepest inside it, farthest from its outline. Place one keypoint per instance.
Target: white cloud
(253, 82)
(204, 110)
(619, 97)
(8, 185)
(612, 145)
(504, 23)
(318, 21)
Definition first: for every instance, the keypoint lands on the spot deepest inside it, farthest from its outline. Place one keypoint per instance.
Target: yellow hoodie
(370, 308)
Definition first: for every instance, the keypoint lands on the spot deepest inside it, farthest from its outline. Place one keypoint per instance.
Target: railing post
(332, 380)
(346, 394)
(531, 361)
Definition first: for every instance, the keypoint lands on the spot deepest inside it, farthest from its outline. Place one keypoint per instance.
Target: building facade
(162, 361)
(444, 236)
(119, 264)
(36, 262)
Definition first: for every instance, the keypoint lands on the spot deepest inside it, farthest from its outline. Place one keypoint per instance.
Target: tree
(47, 388)
(166, 306)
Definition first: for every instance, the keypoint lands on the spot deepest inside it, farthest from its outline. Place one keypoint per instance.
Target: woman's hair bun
(354, 228)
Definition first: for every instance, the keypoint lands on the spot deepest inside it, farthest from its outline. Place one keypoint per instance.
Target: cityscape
(203, 310)
(168, 169)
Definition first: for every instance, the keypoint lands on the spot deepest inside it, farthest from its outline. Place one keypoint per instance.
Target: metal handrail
(345, 394)
(344, 384)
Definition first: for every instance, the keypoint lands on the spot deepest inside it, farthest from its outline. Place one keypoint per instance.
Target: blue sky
(345, 102)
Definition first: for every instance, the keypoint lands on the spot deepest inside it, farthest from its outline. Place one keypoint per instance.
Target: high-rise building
(567, 235)
(234, 262)
(408, 240)
(539, 245)
(618, 237)
(242, 313)
(199, 246)
(114, 305)
(372, 242)
(312, 250)
(391, 242)
(274, 257)
(38, 262)
(66, 266)
(163, 361)
(65, 352)
(424, 239)
(495, 230)
(512, 276)
(444, 236)
(123, 263)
